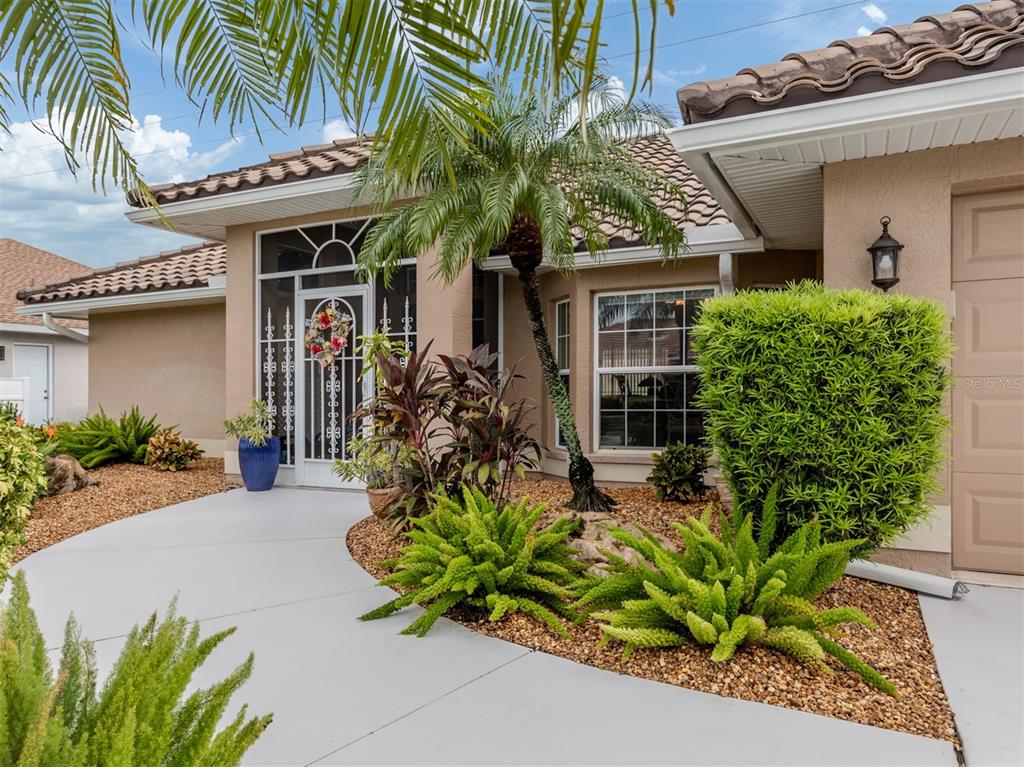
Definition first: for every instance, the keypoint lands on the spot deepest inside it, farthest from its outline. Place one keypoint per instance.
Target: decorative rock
(594, 540)
(66, 474)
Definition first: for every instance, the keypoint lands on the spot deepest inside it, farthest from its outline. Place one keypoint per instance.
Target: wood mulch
(124, 490)
(899, 648)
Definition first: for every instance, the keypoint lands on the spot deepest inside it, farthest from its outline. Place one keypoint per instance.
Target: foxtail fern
(728, 591)
(467, 551)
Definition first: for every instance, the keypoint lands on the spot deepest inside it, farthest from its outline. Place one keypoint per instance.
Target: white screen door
(326, 397)
(32, 361)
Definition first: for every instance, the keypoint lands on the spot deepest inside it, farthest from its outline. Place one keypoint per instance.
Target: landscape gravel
(899, 647)
(124, 490)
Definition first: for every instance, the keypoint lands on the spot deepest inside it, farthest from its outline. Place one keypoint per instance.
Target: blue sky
(43, 204)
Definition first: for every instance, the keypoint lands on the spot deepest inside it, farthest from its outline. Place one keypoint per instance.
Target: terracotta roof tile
(973, 38)
(188, 267)
(25, 267)
(340, 156)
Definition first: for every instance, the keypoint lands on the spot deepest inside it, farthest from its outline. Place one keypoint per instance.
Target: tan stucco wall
(915, 190)
(581, 288)
(169, 362)
(70, 373)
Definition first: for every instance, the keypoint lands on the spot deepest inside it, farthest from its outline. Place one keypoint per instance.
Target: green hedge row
(837, 395)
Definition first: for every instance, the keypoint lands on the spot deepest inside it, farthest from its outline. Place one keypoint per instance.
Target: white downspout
(60, 330)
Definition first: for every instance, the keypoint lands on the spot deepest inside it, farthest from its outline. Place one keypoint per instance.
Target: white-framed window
(645, 372)
(562, 354)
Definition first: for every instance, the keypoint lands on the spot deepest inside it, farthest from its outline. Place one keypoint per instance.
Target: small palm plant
(537, 187)
(467, 551)
(730, 590)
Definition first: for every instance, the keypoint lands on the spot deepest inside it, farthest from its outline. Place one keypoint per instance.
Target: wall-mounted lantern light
(885, 258)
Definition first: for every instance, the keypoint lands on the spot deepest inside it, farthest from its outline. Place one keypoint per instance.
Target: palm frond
(67, 54)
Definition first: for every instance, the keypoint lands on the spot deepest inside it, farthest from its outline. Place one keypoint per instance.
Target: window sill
(635, 457)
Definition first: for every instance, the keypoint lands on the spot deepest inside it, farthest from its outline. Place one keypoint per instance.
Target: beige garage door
(988, 397)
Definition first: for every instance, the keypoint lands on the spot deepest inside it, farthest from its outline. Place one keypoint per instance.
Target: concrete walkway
(343, 692)
(979, 649)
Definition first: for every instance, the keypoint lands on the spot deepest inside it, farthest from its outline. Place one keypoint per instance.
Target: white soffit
(770, 162)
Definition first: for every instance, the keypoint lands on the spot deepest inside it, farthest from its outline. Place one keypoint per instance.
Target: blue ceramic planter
(258, 464)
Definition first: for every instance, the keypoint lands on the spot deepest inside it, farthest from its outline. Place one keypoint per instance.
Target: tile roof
(188, 267)
(23, 266)
(973, 38)
(656, 151)
(339, 156)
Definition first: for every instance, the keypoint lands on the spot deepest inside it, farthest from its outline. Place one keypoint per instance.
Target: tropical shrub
(678, 472)
(22, 480)
(99, 439)
(9, 412)
(376, 463)
(730, 590)
(458, 421)
(140, 716)
(254, 424)
(466, 551)
(836, 394)
(169, 452)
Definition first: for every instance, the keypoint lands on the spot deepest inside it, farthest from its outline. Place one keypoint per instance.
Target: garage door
(988, 396)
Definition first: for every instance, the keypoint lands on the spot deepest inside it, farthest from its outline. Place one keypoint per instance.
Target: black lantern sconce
(885, 258)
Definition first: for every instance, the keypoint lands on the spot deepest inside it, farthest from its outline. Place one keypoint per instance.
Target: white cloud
(44, 204)
(874, 13)
(337, 129)
(678, 77)
(864, 31)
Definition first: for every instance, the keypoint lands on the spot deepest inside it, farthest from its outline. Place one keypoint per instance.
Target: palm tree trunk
(585, 494)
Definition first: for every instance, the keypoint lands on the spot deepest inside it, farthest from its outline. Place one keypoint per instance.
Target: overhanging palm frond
(67, 55)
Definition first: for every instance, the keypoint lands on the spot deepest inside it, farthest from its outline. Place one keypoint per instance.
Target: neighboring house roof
(188, 267)
(23, 266)
(974, 38)
(343, 156)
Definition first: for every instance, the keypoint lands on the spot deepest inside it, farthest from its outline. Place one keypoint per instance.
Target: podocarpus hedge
(835, 394)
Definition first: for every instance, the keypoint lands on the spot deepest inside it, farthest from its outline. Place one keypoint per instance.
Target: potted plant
(259, 453)
(371, 462)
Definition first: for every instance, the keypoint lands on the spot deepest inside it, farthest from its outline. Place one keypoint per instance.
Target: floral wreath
(327, 335)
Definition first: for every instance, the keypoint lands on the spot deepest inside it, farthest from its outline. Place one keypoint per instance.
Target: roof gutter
(63, 331)
(81, 307)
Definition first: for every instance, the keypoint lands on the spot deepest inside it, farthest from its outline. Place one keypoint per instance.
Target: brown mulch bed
(899, 647)
(124, 490)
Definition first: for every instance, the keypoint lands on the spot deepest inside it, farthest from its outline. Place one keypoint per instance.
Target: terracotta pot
(380, 501)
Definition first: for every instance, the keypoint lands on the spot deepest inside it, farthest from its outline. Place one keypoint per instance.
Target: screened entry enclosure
(302, 272)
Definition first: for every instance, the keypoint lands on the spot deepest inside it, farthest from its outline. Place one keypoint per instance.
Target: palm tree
(537, 189)
(411, 64)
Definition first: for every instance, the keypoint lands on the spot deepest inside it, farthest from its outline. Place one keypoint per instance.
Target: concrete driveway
(276, 566)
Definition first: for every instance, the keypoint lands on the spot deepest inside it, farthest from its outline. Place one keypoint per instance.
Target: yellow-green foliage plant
(22, 481)
(467, 551)
(167, 451)
(836, 394)
(140, 716)
(728, 591)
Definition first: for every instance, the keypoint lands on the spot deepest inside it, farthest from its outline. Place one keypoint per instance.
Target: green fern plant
(99, 439)
(728, 591)
(466, 551)
(140, 716)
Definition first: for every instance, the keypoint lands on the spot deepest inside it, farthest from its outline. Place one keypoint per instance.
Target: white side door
(32, 361)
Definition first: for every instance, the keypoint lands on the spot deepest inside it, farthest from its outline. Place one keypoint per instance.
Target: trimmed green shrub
(678, 473)
(836, 394)
(22, 480)
(99, 439)
(728, 591)
(468, 552)
(140, 716)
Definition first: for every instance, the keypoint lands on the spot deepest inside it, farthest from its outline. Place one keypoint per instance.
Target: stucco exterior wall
(169, 362)
(773, 267)
(70, 395)
(916, 191)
